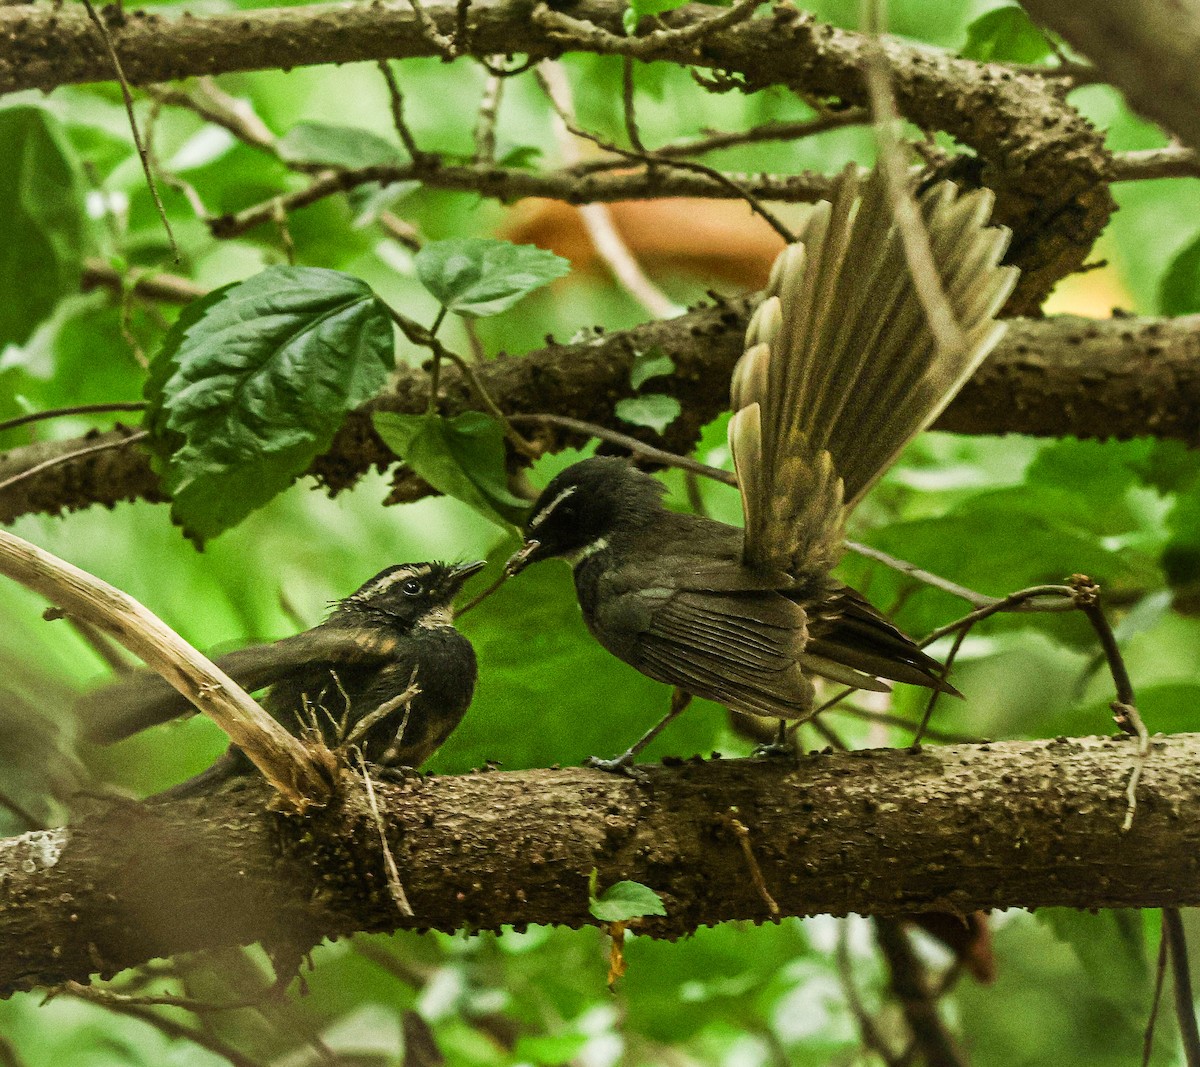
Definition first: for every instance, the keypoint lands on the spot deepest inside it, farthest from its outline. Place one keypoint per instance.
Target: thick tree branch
(889, 832)
(1147, 48)
(1091, 378)
(1045, 162)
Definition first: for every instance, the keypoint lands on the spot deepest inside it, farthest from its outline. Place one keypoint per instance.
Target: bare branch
(287, 765)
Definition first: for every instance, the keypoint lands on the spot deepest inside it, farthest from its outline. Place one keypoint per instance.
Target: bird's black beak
(521, 559)
(460, 572)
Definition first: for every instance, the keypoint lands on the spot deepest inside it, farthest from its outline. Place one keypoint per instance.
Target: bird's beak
(462, 571)
(520, 559)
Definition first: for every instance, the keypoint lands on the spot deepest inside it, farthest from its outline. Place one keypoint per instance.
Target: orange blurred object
(717, 240)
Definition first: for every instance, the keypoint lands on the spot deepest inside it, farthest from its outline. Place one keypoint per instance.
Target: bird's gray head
(411, 594)
(581, 508)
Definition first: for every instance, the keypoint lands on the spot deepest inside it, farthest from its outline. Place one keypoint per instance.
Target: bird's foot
(774, 749)
(395, 773)
(622, 765)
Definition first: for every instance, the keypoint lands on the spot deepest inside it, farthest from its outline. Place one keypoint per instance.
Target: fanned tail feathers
(841, 368)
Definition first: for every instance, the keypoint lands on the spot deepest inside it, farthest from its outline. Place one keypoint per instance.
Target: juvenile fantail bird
(334, 675)
(840, 372)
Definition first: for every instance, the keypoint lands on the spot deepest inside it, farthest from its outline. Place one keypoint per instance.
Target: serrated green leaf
(322, 144)
(623, 901)
(477, 277)
(656, 410)
(1005, 35)
(251, 383)
(1179, 292)
(654, 363)
(462, 457)
(42, 218)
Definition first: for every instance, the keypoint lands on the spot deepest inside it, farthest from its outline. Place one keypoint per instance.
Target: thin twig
(479, 598)
(418, 335)
(767, 131)
(166, 1025)
(108, 998)
(440, 41)
(1185, 1005)
(910, 986)
(55, 461)
(979, 600)
(871, 1036)
(397, 102)
(597, 218)
(21, 812)
(127, 94)
(1159, 974)
(1173, 161)
(1022, 600)
(367, 722)
(888, 719)
(435, 368)
(395, 886)
(485, 124)
(1124, 708)
(235, 116)
(77, 409)
(570, 185)
(556, 24)
(913, 234)
(627, 100)
(150, 285)
(638, 448)
(947, 667)
(743, 835)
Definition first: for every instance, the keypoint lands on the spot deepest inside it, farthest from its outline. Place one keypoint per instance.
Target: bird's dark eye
(411, 588)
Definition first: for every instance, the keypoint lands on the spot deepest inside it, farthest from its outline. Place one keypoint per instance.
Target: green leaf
(252, 382)
(521, 157)
(1006, 35)
(656, 410)
(42, 218)
(654, 363)
(338, 146)
(551, 1049)
(624, 901)
(1110, 945)
(477, 277)
(1179, 292)
(462, 457)
(639, 9)
(369, 201)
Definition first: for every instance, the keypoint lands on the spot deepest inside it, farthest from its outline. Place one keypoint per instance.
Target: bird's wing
(841, 368)
(845, 630)
(123, 708)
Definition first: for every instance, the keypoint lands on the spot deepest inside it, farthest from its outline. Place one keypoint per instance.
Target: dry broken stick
(301, 775)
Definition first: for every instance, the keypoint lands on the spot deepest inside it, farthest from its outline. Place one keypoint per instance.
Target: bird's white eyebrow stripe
(544, 514)
(388, 580)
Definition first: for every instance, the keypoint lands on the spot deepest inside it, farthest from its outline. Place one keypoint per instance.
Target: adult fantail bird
(841, 371)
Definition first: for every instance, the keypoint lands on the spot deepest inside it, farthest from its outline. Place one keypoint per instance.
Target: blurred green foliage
(997, 515)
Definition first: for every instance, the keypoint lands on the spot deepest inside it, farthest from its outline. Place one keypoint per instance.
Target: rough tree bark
(888, 832)
(1112, 378)
(1047, 165)
(1147, 48)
